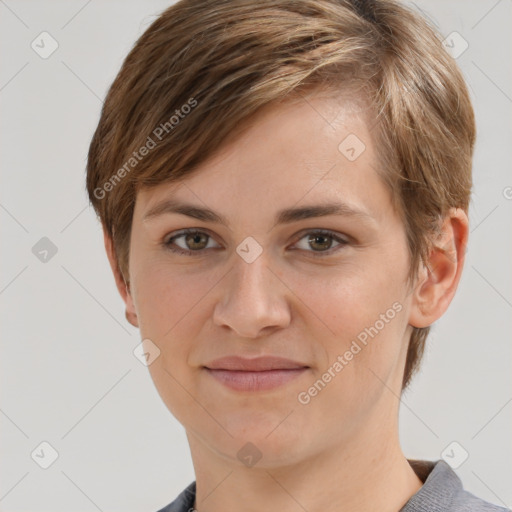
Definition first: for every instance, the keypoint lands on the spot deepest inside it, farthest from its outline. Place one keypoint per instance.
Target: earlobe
(439, 277)
(122, 286)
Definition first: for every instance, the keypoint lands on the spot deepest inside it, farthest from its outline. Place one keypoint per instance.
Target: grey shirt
(441, 492)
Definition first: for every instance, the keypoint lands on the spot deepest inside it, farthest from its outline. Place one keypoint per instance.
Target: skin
(341, 450)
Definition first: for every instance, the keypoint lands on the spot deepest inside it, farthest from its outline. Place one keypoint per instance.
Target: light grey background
(69, 376)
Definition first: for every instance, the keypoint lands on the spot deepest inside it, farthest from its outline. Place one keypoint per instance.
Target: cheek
(347, 298)
(171, 308)
(166, 296)
(357, 312)
(368, 319)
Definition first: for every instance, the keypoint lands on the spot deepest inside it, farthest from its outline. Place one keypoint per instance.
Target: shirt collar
(440, 485)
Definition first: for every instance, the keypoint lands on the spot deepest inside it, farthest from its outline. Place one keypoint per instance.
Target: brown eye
(191, 241)
(321, 242)
(196, 240)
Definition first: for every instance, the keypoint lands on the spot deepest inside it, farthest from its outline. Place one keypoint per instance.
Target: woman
(284, 189)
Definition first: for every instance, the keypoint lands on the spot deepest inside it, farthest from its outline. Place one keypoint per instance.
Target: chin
(269, 441)
(262, 452)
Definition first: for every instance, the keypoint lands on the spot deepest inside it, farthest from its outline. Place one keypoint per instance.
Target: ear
(439, 277)
(121, 284)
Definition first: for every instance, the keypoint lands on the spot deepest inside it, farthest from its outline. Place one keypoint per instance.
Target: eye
(195, 242)
(321, 241)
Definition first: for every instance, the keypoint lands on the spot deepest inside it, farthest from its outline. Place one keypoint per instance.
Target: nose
(253, 299)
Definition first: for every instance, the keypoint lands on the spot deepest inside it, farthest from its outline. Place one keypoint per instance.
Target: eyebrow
(285, 216)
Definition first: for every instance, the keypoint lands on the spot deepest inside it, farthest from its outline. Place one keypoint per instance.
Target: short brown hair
(203, 67)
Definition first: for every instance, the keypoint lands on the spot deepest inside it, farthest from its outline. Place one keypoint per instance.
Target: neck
(351, 476)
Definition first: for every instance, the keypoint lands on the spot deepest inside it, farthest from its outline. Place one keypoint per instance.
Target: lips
(258, 364)
(258, 374)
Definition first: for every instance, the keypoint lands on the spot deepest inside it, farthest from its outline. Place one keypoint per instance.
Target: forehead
(308, 148)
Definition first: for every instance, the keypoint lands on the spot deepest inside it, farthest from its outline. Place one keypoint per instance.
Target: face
(273, 272)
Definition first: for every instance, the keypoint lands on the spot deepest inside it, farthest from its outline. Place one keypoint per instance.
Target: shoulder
(467, 502)
(184, 501)
(442, 491)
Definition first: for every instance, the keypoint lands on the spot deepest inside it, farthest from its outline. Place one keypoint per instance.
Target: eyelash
(316, 254)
